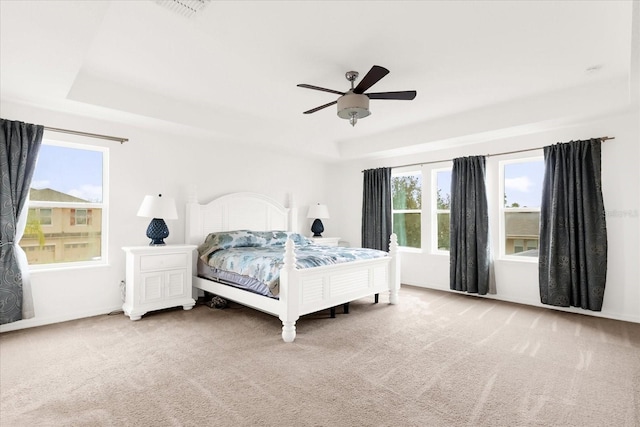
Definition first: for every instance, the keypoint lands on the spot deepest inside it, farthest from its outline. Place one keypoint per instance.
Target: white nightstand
(158, 277)
(326, 241)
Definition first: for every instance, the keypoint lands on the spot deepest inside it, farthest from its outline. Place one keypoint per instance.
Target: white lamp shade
(318, 211)
(158, 207)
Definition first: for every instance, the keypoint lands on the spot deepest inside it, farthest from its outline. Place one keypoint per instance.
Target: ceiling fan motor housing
(351, 103)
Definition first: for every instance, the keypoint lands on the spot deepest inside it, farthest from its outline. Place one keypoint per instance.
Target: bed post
(394, 269)
(289, 292)
(193, 234)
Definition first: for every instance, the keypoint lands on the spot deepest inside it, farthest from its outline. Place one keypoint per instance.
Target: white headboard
(237, 211)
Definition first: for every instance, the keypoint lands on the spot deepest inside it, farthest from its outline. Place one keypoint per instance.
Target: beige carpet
(436, 359)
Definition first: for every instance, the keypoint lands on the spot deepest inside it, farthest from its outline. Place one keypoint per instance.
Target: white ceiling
(230, 71)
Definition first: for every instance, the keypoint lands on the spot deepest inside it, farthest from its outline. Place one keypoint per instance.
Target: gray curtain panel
(19, 147)
(376, 209)
(573, 231)
(470, 255)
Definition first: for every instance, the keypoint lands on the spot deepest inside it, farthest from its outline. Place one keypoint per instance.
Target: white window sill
(409, 249)
(47, 268)
(518, 259)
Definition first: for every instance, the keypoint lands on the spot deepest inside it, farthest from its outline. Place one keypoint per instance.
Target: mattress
(252, 260)
(233, 279)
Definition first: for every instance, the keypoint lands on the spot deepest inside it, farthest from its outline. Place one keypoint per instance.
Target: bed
(301, 290)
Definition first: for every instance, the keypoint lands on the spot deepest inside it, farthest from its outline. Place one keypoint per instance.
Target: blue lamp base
(157, 231)
(317, 228)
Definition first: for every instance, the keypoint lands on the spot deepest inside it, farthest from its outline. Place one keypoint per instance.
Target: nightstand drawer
(163, 261)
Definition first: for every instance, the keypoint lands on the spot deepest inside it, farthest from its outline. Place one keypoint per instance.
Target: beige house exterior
(522, 233)
(61, 234)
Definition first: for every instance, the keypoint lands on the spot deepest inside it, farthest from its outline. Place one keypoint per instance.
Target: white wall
(518, 281)
(161, 162)
(153, 162)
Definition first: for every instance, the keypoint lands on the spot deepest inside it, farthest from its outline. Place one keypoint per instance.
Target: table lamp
(318, 212)
(159, 208)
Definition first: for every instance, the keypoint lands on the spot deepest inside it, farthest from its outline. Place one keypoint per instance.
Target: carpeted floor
(436, 359)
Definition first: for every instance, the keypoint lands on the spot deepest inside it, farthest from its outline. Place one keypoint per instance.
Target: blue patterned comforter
(260, 254)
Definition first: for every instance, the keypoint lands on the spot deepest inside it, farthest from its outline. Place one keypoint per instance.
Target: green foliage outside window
(34, 228)
(407, 197)
(443, 203)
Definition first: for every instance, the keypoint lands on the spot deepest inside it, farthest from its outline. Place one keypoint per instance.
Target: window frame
(103, 206)
(503, 210)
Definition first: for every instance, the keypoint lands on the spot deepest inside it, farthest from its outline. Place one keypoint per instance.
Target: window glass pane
(443, 192)
(443, 205)
(523, 184)
(65, 174)
(521, 227)
(60, 228)
(407, 204)
(407, 191)
(443, 231)
(407, 228)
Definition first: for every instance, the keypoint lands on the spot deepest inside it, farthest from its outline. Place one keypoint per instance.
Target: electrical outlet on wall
(123, 290)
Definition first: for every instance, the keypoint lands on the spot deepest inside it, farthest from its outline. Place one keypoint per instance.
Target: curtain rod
(90, 135)
(602, 138)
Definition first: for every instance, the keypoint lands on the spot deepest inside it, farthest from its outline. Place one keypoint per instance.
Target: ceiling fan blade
(320, 88)
(406, 95)
(373, 76)
(313, 110)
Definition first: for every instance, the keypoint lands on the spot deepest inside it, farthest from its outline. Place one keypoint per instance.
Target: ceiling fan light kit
(354, 104)
(352, 107)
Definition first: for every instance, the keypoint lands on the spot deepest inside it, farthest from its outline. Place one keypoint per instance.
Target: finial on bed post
(393, 244)
(289, 255)
(394, 271)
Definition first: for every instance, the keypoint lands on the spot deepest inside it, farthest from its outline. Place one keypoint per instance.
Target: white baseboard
(37, 321)
(576, 310)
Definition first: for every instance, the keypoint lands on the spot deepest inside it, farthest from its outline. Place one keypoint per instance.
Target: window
(522, 194)
(406, 191)
(80, 217)
(442, 204)
(43, 216)
(67, 206)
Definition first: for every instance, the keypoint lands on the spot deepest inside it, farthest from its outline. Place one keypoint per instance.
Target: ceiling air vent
(186, 8)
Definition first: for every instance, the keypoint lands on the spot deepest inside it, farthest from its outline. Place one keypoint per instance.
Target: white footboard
(309, 290)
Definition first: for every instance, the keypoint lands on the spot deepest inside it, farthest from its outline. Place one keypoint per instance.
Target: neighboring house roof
(49, 195)
(522, 224)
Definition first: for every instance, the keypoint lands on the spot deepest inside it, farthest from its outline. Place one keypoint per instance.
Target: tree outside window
(406, 191)
(443, 207)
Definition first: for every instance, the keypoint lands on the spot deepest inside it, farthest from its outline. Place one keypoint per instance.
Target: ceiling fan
(354, 103)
